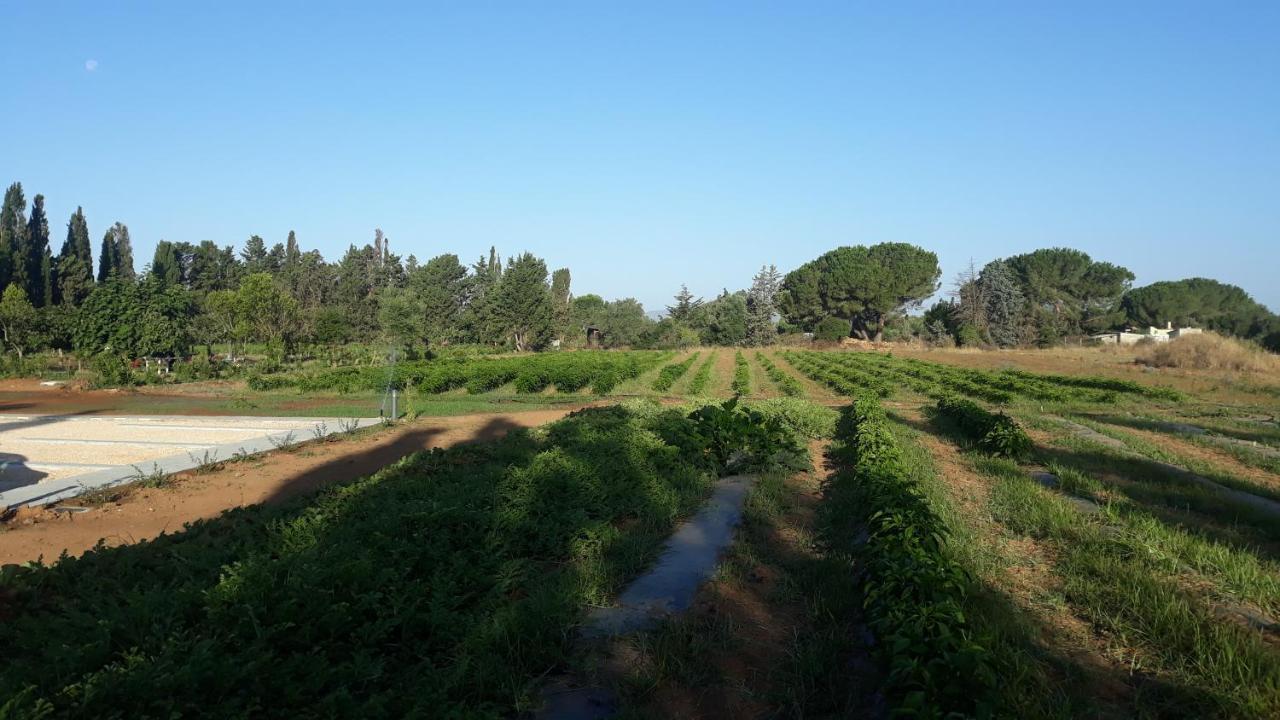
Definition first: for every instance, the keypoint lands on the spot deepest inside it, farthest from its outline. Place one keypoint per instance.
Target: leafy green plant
(994, 433)
(913, 592)
(668, 375)
(785, 382)
(698, 385)
(741, 374)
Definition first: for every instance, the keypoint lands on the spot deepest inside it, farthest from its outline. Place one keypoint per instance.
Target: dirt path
(761, 385)
(141, 514)
(721, 373)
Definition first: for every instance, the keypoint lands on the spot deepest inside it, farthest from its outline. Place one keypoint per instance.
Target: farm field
(1022, 535)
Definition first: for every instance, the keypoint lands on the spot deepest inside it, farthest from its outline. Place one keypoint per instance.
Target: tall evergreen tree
(167, 263)
(13, 233)
(74, 267)
(523, 303)
(762, 306)
(254, 255)
(1004, 303)
(124, 252)
(107, 257)
(38, 270)
(686, 305)
(561, 303)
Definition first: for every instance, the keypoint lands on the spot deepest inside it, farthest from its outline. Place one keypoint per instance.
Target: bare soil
(140, 514)
(28, 396)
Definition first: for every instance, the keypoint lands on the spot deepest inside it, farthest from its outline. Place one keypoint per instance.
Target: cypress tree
(124, 252)
(13, 230)
(107, 257)
(762, 305)
(167, 264)
(75, 262)
(38, 273)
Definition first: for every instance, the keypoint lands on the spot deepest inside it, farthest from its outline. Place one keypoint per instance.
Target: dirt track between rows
(144, 513)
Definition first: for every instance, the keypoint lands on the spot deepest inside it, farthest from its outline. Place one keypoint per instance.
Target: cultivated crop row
(741, 374)
(846, 372)
(841, 378)
(995, 433)
(785, 381)
(668, 375)
(913, 591)
(702, 378)
(566, 372)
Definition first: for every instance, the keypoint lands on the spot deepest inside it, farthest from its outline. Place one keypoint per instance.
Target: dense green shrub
(805, 417)
(111, 369)
(995, 433)
(831, 329)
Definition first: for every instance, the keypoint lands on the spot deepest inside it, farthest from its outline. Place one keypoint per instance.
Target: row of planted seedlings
(702, 377)
(914, 591)
(1188, 591)
(785, 381)
(840, 377)
(669, 374)
(741, 374)
(1001, 387)
(567, 372)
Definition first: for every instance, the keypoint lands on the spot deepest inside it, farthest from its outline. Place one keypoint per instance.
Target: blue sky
(647, 144)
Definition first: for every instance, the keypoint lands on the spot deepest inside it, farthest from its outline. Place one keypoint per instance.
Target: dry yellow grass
(1210, 351)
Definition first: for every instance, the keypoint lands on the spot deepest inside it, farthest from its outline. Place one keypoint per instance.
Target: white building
(1132, 336)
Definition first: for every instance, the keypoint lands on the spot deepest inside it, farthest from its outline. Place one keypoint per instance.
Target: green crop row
(741, 374)
(668, 375)
(785, 381)
(913, 591)
(702, 378)
(841, 378)
(567, 372)
(995, 433)
(1000, 387)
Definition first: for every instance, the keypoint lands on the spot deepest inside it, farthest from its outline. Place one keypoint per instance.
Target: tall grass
(1210, 351)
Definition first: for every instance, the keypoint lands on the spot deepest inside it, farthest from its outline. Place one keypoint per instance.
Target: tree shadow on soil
(14, 473)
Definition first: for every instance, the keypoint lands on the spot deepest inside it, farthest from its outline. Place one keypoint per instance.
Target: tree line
(198, 295)
(1038, 298)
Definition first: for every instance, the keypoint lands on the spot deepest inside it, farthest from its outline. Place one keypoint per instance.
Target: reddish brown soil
(144, 513)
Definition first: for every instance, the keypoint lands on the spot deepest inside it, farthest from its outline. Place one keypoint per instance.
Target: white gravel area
(45, 458)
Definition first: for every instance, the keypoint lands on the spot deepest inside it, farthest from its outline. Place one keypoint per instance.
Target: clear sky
(646, 144)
